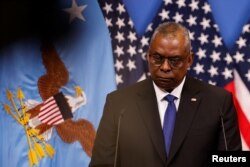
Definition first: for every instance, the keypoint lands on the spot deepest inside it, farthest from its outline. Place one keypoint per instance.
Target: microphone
(118, 135)
(223, 130)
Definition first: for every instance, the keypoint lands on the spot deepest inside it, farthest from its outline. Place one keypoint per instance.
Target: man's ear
(147, 56)
(190, 59)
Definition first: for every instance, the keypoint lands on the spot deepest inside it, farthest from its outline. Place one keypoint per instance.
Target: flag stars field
(201, 53)
(108, 8)
(215, 56)
(238, 57)
(203, 38)
(164, 14)
(227, 73)
(217, 41)
(178, 17)
(228, 58)
(241, 42)
(194, 5)
(120, 8)
(248, 75)
(199, 68)
(192, 20)
(206, 8)
(213, 71)
(205, 23)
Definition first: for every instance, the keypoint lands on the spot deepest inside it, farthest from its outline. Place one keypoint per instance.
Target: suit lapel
(148, 110)
(188, 106)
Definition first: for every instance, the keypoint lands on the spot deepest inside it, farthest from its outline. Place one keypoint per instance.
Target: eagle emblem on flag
(49, 84)
(55, 110)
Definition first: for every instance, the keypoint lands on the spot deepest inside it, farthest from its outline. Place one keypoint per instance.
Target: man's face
(168, 59)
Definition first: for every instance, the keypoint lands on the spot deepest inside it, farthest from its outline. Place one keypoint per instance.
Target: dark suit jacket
(197, 131)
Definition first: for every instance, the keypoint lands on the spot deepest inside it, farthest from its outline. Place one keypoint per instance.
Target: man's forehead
(174, 35)
(169, 38)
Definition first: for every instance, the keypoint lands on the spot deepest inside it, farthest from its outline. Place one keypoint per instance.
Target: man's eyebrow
(156, 53)
(176, 56)
(170, 56)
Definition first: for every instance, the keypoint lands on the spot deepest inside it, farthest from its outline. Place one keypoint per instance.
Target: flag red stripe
(50, 115)
(46, 114)
(48, 107)
(242, 119)
(51, 99)
(54, 119)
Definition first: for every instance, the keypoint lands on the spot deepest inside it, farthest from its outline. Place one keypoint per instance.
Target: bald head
(173, 30)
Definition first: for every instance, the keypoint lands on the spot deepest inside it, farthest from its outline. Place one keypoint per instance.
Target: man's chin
(165, 85)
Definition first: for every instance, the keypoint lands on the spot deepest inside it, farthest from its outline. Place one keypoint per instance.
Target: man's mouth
(165, 79)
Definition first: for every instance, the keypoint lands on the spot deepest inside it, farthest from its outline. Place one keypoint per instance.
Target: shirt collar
(160, 94)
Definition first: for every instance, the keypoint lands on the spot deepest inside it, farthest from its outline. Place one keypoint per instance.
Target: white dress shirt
(162, 104)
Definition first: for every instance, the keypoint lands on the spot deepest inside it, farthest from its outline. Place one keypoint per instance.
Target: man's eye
(174, 60)
(157, 57)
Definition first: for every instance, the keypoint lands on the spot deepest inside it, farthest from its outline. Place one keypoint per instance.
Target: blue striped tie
(169, 120)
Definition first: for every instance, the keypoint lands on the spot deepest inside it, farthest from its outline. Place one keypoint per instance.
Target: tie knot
(170, 98)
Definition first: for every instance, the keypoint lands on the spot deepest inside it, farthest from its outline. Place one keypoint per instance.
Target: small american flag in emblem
(55, 110)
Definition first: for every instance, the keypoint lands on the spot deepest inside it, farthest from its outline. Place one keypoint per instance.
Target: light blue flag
(87, 57)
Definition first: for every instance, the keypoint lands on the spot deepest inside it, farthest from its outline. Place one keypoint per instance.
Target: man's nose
(165, 66)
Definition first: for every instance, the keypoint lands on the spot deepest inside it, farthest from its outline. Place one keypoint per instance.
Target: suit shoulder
(208, 88)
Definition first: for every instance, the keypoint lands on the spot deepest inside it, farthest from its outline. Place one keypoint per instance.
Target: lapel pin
(193, 99)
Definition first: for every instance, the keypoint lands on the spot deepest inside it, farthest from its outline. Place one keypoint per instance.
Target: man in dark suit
(141, 127)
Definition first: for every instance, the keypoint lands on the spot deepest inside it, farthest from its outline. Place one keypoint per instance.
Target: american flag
(55, 110)
(213, 62)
